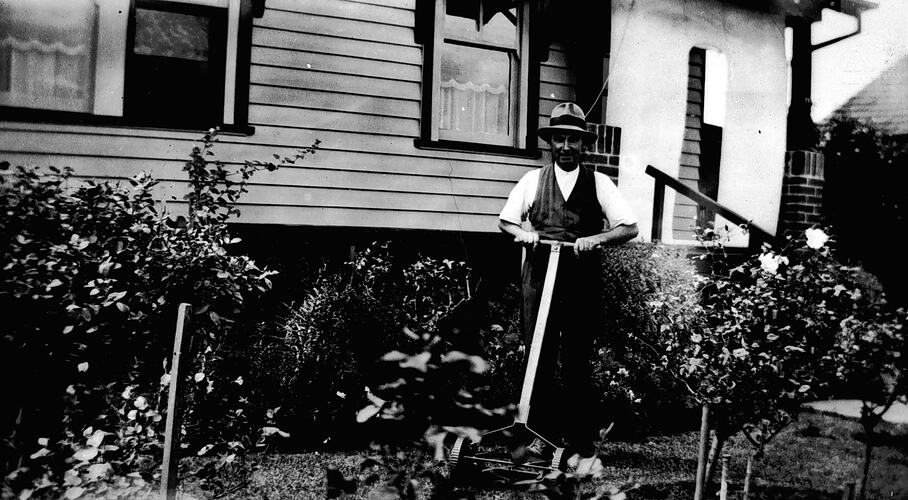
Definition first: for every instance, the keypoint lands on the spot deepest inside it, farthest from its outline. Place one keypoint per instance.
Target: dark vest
(555, 218)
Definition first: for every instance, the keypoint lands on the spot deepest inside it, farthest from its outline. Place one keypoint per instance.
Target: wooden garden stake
(702, 453)
(723, 485)
(169, 476)
(748, 475)
(848, 491)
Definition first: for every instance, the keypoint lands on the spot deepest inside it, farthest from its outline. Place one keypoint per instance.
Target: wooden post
(748, 475)
(658, 210)
(848, 491)
(723, 485)
(702, 455)
(169, 466)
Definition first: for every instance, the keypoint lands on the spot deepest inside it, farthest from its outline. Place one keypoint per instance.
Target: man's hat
(567, 117)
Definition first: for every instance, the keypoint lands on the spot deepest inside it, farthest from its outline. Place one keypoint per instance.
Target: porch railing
(758, 234)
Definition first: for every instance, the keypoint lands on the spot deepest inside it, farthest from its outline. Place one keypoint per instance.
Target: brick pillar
(802, 191)
(603, 155)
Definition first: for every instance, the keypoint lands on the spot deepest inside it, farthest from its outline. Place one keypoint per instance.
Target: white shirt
(614, 207)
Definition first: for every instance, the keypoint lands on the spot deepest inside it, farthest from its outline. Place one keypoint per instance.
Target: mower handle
(556, 242)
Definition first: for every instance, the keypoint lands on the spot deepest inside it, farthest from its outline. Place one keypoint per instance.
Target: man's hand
(586, 244)
(526, 237)
(520, 234)
(615, 236)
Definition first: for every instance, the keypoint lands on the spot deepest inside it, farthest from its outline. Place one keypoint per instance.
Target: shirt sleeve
(614, 206)
(520, 199)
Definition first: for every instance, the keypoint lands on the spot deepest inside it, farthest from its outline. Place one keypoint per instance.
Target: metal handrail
(663, 179)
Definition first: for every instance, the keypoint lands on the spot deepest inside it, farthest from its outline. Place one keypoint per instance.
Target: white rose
(816, 238)
(769, 263)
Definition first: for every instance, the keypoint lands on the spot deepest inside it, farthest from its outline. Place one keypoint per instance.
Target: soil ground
(812, 459)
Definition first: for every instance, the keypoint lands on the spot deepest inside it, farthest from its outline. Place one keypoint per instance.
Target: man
(566, 201)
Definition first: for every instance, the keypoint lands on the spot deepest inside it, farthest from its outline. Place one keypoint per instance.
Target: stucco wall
(650, 41)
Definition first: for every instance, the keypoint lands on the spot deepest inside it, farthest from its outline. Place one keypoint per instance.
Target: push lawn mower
(495, 455)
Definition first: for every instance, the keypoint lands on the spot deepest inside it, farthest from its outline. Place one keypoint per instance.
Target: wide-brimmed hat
(567, 117)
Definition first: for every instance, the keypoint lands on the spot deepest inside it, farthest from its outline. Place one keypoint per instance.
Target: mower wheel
(456, 460)
(559, 460)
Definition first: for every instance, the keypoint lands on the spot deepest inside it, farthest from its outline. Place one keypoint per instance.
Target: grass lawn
(811, 459)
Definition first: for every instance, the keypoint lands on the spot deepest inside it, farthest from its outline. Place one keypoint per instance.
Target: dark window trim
(241, 103)
(217, 36)
(243, 64)
(425, 34)
(428, 68)
(258, 7)
(55, 117)
(175, 7)
(533, 26)
(477, 147)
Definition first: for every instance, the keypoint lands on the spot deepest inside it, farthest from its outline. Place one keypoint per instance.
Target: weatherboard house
(426, 110)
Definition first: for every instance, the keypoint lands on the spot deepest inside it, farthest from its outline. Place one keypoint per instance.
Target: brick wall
(802, 191)
(603, 155)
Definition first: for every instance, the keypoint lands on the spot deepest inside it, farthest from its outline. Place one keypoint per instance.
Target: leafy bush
(870, 203)
(117, 457)
(773, 324)
(635, 399)
(91, 277)
(501, 344)
(323, 353)
(768, 334)
(432, 390)
(636, 279)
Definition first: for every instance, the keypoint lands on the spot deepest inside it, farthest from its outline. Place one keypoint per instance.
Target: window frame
(524, 83)
(235, 50)
(217, 55)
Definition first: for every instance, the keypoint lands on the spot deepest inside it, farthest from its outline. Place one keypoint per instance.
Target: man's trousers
(564, 407)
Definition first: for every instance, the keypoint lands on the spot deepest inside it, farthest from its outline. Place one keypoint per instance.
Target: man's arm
(520, 235)
(614, 236)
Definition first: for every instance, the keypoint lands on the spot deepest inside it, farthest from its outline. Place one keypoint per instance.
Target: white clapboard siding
(684, 219)
(347, 73)
(366, 49)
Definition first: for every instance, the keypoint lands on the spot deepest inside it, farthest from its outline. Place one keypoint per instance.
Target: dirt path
(851, 408)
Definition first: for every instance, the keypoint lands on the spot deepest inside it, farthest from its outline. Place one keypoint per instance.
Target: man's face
(566, 147)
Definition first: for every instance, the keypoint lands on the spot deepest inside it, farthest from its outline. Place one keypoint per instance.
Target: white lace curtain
(47, 52)
(469, 107)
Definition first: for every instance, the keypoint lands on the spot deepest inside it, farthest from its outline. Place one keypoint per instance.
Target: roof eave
(812, 9)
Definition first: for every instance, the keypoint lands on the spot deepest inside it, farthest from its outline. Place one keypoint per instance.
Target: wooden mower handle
(556, 242)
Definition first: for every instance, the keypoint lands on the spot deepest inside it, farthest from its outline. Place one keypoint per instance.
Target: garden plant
(385, 350)
(91, 277)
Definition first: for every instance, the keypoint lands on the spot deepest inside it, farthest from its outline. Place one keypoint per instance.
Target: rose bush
(766, 335)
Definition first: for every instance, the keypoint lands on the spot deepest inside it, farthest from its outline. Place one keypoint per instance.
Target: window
(47, 54)
(478, 73)
(174, 64)
(162, 63)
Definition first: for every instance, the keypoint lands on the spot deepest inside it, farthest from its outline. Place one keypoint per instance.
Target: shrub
(322, 354)
(773, 324)
(849, 145)
(501, 344)
(636, 279)
(766, 336)
(91, 277)
(316, 361)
